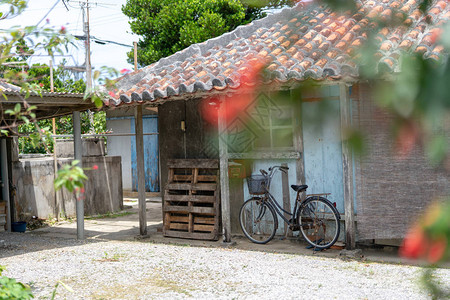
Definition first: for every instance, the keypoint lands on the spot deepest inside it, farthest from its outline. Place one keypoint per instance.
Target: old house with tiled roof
(306, 43)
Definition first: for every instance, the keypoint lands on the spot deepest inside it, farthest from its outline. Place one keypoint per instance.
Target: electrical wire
(45, 16)
(72, 46)
(64, 2)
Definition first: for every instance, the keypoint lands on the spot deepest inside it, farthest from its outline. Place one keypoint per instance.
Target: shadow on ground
(126, 228)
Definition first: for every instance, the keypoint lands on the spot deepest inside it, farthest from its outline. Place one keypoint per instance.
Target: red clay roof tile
(305, 41)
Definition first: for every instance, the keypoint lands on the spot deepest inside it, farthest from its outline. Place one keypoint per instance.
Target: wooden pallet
(192, 199)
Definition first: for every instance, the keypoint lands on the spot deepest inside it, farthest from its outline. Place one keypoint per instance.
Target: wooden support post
(135, 56)
(140, 169)
(78, 154)
(347, 166)
(55, 161)
(55, 168)
(298, 136)
(286, 199)
(236, 200)
(5, 182)
(224, 181)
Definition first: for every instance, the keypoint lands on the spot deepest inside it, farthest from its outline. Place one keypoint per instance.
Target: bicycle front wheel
(258, 220)
(319, 222)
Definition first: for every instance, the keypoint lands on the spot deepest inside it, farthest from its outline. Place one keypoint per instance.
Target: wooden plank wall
(390, 192)
(199, 140)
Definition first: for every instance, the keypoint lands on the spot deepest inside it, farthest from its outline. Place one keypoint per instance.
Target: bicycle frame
(270, 199)
(279, 210)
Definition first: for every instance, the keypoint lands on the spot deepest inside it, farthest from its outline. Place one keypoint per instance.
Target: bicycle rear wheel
(258, 220)
(319, 222)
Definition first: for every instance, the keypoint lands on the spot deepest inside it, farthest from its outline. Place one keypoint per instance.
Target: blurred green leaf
(436, 149)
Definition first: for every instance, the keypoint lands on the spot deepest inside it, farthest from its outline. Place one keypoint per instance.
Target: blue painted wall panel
(323, 149)
(151, 155)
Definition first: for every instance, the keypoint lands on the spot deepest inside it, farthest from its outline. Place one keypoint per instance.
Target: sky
(107, 22)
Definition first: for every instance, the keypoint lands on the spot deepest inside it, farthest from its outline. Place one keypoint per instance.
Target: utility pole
(88, 58)
(87, 44)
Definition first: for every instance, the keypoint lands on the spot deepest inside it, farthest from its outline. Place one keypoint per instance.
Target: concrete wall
(35, 195)
(121, 146)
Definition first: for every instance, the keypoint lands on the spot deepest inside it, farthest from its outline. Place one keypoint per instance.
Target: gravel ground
(143, 270)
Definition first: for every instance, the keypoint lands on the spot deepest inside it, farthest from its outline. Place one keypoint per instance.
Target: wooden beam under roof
(48, 106)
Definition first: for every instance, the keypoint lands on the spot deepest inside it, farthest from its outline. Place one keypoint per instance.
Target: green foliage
(10, 289)
(68, 288)
(71, 177)
(63, 126)
(432, 285)
(109, 215)
(65, 83)
(168, 26)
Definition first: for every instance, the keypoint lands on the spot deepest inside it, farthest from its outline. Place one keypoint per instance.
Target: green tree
(168, 26)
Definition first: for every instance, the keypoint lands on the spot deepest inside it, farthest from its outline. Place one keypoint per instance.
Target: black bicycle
(315, 216)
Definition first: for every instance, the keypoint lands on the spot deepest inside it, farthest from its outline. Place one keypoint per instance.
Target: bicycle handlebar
(281, 168)
(272, 169)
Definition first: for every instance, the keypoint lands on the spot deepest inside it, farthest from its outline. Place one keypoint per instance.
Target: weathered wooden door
(323, 149)
(151, 154)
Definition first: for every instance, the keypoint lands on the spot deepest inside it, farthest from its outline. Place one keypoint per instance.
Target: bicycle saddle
(299, 188)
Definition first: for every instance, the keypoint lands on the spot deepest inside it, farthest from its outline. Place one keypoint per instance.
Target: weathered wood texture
(266, 155)
(224, 180)
(197, 141)
(286, 198)
(140, 169)
(191, 205)
(3, 217)
(198, 163)
(78, 154)
(347, 169)
(236, 200)
(391, 191)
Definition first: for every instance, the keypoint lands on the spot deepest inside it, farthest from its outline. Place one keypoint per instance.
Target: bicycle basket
(256, 184)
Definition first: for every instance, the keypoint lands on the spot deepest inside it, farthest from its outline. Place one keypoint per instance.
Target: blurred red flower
(235, 106)
(414, 244)
(437, 250)
(428, 239)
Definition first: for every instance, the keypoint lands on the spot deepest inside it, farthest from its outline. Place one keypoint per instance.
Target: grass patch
(111, 258)
(110, 215)
(148, 287)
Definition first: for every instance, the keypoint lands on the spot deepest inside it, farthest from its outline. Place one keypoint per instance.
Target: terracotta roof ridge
(223, 39)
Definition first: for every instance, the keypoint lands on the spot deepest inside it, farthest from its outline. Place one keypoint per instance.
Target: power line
(100, 41)
(45, 16)
(64, 2)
